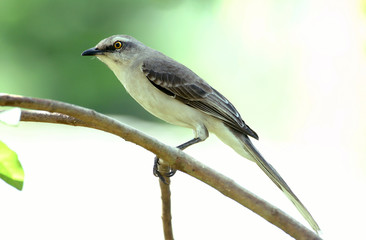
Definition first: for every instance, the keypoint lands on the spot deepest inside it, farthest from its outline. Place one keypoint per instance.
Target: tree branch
(74, 115)
(166, 205)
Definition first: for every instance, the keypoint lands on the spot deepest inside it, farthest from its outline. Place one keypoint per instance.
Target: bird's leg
(182, 147)
(189, 143)
(173, 171)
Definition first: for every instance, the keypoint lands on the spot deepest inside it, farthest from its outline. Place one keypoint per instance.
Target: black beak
(92, 52)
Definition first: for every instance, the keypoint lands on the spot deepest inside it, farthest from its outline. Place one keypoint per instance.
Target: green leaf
(11, 170)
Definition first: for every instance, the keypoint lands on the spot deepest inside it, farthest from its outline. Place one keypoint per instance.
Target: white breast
(155, 101)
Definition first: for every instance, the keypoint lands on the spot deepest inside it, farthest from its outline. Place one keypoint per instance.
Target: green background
(42, 41)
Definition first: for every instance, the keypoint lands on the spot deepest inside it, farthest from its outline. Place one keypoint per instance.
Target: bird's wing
(178, 81)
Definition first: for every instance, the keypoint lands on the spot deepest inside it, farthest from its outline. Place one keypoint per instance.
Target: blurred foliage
(42, 42)
(11, 170)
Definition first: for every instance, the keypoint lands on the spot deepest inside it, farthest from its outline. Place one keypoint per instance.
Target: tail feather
(277, 179)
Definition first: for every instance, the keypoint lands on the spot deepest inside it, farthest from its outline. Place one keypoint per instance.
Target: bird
(174, 93)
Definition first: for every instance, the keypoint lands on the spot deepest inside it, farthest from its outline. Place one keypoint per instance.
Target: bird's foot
(158, 174)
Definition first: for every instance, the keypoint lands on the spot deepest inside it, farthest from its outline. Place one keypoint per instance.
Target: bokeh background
(296, 71)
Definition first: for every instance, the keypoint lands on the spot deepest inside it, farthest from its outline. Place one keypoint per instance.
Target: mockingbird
(174, 93)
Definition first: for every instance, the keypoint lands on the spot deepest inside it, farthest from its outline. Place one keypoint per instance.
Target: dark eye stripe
(112, 47)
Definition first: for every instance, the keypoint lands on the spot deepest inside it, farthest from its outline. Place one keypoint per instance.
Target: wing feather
(174, 79)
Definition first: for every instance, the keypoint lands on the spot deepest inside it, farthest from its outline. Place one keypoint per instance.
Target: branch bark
(64, 113)
(166, 216)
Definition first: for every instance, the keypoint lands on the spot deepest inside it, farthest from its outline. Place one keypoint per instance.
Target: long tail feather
(277, 179)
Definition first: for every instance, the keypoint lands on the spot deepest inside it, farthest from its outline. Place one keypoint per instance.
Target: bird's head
(116, 51)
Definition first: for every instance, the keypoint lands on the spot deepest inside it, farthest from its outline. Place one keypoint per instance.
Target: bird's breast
(158, 103)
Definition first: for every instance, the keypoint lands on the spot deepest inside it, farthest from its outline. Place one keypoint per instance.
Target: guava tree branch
(64, 113)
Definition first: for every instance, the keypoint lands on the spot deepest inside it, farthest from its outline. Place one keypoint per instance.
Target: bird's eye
(117, 45)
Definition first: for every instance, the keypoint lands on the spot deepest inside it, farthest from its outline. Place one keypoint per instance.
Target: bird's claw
(158, 174)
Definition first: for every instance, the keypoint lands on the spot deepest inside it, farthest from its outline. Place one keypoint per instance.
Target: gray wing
(178, 81)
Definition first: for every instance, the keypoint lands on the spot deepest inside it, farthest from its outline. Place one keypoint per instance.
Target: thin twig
(166, 203)
(174, 157)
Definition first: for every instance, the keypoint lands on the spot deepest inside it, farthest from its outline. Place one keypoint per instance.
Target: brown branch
(41, 116)
(166, 204)
(78, 116)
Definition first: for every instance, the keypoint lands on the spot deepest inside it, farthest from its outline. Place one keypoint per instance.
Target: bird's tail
(277, 179)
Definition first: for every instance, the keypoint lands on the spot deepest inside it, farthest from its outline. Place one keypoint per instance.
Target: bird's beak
(92, 52)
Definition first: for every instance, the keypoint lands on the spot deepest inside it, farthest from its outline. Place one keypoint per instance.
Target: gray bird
(172, 92)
